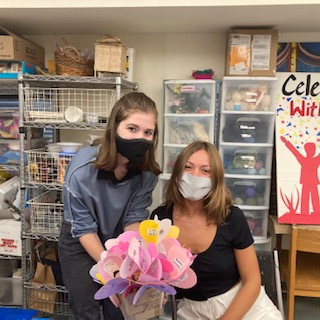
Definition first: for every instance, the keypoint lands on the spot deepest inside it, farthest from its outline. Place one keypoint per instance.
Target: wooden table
(276, 230)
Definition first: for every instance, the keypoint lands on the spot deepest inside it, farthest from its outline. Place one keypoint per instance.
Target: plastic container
(247, 128)
(263, 244)
(247, 160)
(246, 94)
(69, 147)
(258, 223)
(184, 130)
(170, 157)
(92, 117)
(130, 61)
(73, 114)
(11, 291)
(189, 96)
(16, 313)
(250, 193)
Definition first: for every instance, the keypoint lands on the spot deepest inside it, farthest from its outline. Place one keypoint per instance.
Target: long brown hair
(219, 199)
(107, 154)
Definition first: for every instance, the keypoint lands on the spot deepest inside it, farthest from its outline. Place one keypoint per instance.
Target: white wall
(160, 57)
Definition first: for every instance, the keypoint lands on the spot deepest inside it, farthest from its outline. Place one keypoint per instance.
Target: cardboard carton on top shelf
(11, 69)
(13, 47)
(252, 52)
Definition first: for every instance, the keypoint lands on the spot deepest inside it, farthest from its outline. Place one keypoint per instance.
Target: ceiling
(125, 20)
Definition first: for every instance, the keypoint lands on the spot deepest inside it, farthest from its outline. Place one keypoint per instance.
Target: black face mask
(134, 150)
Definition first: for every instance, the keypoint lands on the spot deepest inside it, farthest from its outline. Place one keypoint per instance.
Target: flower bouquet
(138, 267)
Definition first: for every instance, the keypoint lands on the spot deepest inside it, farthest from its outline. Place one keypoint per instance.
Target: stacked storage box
(246, 146)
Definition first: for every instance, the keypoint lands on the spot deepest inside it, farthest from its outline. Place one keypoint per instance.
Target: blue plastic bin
(16, 313)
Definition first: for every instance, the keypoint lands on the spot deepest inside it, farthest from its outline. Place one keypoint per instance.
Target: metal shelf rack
(9, 106)
(44, 103)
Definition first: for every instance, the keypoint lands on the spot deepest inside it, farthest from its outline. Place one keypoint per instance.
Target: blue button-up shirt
(95, 203)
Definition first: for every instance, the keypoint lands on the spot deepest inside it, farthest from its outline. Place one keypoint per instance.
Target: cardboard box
(13, 47)
(11, 69)
(10, 237)
(252, 52)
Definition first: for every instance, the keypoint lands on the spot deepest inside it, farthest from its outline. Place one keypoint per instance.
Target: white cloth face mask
(194, 188)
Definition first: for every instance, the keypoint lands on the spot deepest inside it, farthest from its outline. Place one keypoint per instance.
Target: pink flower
(152, 258)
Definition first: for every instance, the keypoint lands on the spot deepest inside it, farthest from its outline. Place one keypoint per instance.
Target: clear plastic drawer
(170, 155)
(186, 129)
(258, 223)
(248, 161)
(247, 128)
(249, 94)
(185, 97)
(249, 192)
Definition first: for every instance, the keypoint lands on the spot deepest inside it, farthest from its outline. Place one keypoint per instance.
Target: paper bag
(148, 306)
(43, 299)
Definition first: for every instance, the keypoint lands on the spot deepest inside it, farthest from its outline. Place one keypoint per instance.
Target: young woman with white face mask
(228, 277)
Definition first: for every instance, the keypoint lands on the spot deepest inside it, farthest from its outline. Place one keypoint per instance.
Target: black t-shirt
(216, 268)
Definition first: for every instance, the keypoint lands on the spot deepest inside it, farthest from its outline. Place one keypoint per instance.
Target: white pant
(215, 307)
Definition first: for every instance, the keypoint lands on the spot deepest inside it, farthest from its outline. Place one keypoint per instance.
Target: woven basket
(110, 55)
(69, 63)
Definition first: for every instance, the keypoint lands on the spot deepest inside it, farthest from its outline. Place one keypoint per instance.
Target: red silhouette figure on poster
(308, 175)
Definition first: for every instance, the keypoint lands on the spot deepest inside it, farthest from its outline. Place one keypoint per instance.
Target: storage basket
(46, 212)
(110, 55)
(52, 105)
(70, 63)
(47, 168)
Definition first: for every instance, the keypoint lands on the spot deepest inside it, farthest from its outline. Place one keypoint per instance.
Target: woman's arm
(92, 244)
(251, 282)
(132, 227)
(141, 201)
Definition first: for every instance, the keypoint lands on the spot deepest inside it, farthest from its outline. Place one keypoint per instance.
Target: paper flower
(150, 258)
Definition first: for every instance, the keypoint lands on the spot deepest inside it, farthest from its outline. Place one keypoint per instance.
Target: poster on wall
(298, 57)
(298, 147)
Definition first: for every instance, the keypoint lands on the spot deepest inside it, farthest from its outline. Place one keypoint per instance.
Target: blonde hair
(218, 200)
(129, 103)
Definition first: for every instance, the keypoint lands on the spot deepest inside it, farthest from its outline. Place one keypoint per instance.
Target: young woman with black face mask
(228, 278)
(107, 189)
